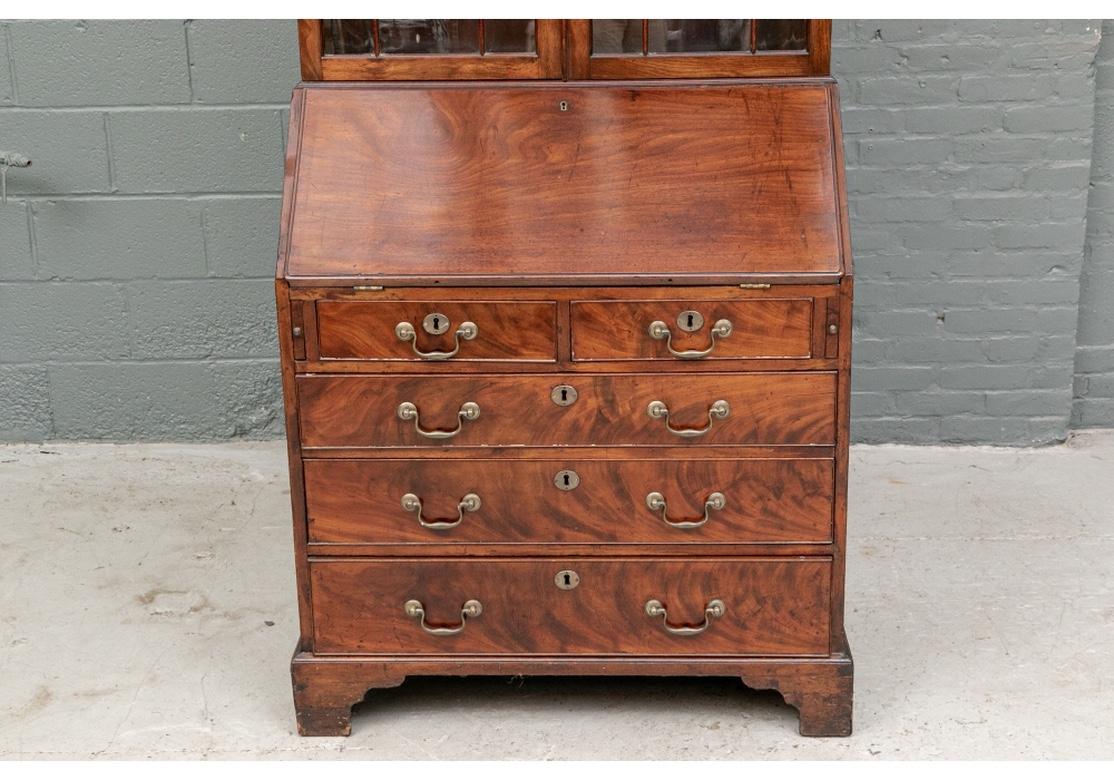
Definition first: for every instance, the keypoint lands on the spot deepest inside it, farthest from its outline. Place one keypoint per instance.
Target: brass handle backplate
(470, 503)
(717, 411)
(715, 502)
(469, 410)
(471, 609)
(406, 332)
(659, 330)
(712, 610)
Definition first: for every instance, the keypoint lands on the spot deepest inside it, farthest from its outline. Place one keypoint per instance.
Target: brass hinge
(755, 286)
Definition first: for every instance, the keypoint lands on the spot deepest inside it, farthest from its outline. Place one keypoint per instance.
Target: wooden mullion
(579, 48)
(753, 36)
(375, 36)
(481, 31)
(645, 37)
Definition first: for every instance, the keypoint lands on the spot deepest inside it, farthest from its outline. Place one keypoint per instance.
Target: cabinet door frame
(547, 63)
(815, 61)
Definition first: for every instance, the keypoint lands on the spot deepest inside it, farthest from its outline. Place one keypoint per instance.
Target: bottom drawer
(706, 606)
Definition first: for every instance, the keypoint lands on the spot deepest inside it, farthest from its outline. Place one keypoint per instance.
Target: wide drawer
(745, 606)
(437, 330)
(699, 329)
(398, 501)
(609, 409)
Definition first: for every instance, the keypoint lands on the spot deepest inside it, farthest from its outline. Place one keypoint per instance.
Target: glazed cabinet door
(430, 49)
(697, 48)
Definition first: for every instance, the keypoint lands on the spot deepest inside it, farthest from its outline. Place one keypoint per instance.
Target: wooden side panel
(619, 330)
(768, 408)
(505, 331)
(527, 502)
(772, 606)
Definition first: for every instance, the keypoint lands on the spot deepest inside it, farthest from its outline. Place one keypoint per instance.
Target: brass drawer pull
(470, 503)
(712, 610)
(717, 411)
(659, 330)
(406, 332)
(470, 609)
(468, 411)
(656, 501)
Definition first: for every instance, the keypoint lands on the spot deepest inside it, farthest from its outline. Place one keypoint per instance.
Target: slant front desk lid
(564, 184)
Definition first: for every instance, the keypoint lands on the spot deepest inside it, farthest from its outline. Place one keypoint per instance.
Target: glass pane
(509, 35)
(688, 35)
(429, 36)
(617, 36)
(347, 36)
(781, 34)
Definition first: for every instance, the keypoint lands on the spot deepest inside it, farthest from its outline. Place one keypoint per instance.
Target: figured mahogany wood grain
(768, 500)
(773, 606)
(619, 330)
(505, 331)
(769, 408)
(499, 182)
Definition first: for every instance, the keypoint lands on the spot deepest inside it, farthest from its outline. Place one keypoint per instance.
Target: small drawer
(490, 501)
(603, 606)
(704, 330)
(480, 410)
(437, 330)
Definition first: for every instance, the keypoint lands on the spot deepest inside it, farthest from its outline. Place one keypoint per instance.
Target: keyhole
(565, 479)
(437, 322)
(564, 394)
(568, 579)
(690, 320)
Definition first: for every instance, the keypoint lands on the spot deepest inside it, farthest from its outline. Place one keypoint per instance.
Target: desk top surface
(564, 184)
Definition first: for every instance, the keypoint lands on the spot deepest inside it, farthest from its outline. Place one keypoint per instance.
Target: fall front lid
(562, 184)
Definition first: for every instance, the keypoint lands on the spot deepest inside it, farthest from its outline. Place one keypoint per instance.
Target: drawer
(766, 606)
(609, 409)
(668, 330)
(370, 330)
(401, 501)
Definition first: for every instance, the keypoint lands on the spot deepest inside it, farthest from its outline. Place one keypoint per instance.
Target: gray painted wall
(136, 254)
(1094, 357)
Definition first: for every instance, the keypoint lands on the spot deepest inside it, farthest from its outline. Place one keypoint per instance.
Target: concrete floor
(147, 606)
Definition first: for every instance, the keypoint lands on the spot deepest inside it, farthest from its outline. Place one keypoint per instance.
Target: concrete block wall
(1094, 357)
(968, 149)
(136, 255)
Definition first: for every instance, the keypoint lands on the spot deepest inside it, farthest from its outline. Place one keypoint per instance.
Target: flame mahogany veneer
(530, 541)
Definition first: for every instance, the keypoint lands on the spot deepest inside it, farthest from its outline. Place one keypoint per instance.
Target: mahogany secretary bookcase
(564, 314)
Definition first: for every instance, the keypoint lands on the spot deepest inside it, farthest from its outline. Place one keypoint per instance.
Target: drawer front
(488, 410)
(769, 606)
(369, 330)
(557, 501)
(760, 328)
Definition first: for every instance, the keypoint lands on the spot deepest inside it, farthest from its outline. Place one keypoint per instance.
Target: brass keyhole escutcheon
(435, 324)
(563, 395)
(690, 321)
(566, 579)
(566, 479)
